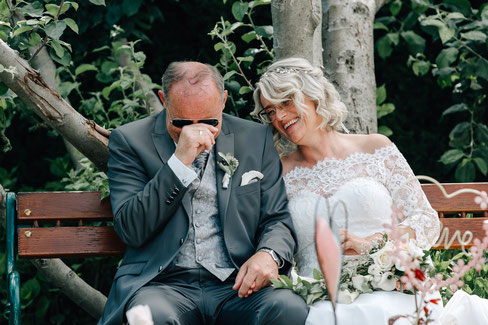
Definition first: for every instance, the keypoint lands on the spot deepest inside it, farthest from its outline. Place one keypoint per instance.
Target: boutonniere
(228, 164)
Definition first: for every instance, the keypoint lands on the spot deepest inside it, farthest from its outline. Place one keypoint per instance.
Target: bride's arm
(417, 216)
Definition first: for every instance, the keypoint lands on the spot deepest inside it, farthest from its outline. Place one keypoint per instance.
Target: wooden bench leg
(13, 278)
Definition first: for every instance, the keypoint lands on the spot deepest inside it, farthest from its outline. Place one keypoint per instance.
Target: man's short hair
(175, 73)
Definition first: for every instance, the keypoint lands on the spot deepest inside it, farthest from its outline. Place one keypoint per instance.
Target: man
(200, 249)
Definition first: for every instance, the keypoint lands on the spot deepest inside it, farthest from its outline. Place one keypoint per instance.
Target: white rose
(360, 282)
(139, 315)
(383, 258)
(346, 297)
(387, 282)
(404, 255)
(415, 251)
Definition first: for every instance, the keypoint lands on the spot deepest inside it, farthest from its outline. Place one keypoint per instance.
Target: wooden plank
(462, 202)
(68, 242)
(457, 227)
(62, 206)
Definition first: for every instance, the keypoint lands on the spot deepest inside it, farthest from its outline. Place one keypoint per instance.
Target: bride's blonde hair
(297, 79)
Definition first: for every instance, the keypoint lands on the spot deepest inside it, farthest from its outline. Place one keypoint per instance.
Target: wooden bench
(60, 224)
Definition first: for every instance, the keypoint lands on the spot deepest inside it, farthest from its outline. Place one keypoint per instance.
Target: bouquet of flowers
(374, 270)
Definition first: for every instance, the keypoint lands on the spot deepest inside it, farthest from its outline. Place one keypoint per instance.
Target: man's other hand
(255, 274)
(194, 138)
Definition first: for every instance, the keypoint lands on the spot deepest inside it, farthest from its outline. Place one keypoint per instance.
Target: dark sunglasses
(179, 123)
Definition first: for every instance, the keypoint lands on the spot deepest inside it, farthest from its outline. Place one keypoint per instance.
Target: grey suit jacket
(151, 208)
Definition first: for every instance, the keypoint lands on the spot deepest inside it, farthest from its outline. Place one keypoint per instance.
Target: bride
(366, 173)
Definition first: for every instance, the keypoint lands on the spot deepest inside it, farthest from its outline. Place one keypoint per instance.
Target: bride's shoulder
(368, 143)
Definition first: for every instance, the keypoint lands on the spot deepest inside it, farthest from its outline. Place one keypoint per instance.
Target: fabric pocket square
(251, 177)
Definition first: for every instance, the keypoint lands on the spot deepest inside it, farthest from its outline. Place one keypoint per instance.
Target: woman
(361, 176)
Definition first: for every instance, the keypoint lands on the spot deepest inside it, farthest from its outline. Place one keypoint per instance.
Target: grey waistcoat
(205, 246)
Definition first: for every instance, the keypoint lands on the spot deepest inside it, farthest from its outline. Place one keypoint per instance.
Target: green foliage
(448, 39)
(383, 109)
(256, 52)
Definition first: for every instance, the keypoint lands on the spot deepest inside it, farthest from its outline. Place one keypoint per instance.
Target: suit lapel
(165, 147)
(163, 143)
(224, 143)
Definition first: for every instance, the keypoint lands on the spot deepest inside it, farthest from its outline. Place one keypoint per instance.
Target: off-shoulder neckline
(335, 160)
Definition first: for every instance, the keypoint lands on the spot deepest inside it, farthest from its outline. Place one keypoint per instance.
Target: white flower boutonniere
(228, 164)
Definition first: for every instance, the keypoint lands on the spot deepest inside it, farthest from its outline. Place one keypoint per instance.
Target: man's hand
(194, 138)
(255, 274)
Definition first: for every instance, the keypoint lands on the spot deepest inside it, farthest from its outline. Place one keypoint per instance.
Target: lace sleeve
(411, 200)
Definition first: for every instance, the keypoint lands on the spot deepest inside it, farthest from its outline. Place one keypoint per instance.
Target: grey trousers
(195, 296)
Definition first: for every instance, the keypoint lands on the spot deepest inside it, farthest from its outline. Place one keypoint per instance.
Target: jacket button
(160, 268)
(168, 202)
(181, 241)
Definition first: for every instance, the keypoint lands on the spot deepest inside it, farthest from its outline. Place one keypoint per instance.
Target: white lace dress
(360, 189)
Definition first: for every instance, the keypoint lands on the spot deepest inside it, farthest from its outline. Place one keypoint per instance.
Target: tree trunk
(89, 138)
(347, 38)
(297, 29)
(81, 293)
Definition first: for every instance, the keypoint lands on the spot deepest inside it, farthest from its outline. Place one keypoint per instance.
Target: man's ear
(161, 96)
(225, 99)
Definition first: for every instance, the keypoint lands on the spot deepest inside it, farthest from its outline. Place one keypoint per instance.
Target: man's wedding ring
(201, 133)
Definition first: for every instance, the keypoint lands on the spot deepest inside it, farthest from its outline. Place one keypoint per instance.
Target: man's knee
(284, 307)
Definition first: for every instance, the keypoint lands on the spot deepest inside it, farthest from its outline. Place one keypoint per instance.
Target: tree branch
(81, 293)
(31, 88)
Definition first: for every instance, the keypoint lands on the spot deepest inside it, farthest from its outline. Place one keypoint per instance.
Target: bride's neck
(324, 145)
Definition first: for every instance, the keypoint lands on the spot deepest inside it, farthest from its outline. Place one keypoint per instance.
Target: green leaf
(249, 36)
(386, 131)
(385, 109)
(455, 15)
(65, 60)
(460, 135)
(380, 25)
(131, 7)
(55, 29)
(286, 280)
(383, 47)
(85, 67)
(239, 10)
(482, 68)
(42, 305)
(98, 2)
(465, 171)
(415, 42)
(35, 39)
(277, 283)
(395, 7)
(463, 5)
(71, 24)
(446, 57)
(244, 90)
(34, 9)
(254, 4)
(22, 29)
(219, 46)
(52, 9)
(57, 48)
(420, 6)
(482, 132)
(264, 31)
(65, 88)
(420, 68)
(474, 35)
(245, 58)
(229, 74)
(451, 156)
(380, 94)
(30, 289)
(74, 4)
(462, 107)
(446, 34)
(482, 166)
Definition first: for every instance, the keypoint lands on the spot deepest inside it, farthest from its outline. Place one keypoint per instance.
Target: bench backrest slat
(69, 242)
(62, 206)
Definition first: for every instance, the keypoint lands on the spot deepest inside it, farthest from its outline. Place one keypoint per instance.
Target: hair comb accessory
(284, 70)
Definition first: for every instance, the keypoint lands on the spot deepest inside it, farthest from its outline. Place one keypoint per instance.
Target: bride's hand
(352, 244)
